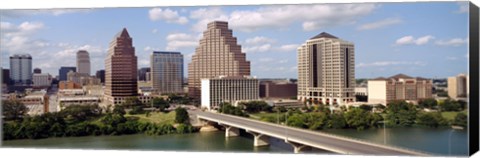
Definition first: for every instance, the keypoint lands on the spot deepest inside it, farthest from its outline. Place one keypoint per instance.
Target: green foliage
(136, 110)
(431, 119)
(429, 103)
(119, 110)
(184, 128)
(256, 106)
(181, 116)
(460, 120)
(366, 107)
(357, 118)
(401, 113)
(13, 109)
(452, 105)
(131, 102)
(227, 108)
(336, 121)
(161, 104)
(113, 119)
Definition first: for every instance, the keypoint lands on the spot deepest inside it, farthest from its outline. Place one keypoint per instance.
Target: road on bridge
(306, 137)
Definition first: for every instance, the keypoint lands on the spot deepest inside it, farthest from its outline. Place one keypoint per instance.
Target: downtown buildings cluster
(219, 72)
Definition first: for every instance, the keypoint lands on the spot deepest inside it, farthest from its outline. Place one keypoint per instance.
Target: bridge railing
(362, 141)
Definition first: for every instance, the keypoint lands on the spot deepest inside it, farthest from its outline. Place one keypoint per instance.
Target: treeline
(86, 120)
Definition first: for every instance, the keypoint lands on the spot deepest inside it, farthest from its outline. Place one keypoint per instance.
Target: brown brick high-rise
(218, 54)
(120, 69)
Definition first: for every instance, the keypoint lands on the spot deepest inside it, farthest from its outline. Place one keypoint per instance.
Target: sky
(425, 39)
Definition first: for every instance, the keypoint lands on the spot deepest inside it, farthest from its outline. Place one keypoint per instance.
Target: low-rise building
(68, 85)
(277, 89)
(36, 102)
(399, 87)
(285, 103)
(42, 80)
(65, 101)
(229, 89)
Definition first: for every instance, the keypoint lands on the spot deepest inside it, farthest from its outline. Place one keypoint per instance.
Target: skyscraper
(142, 73)
(167, 72)
(120, 69)
(101, 75)
(21, 69)
(457, 86)
(62, 73)
(326, 70)
(218, 54)
(5, 76)
(83, 62)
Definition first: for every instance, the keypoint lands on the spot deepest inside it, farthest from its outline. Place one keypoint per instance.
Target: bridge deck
(306, 137)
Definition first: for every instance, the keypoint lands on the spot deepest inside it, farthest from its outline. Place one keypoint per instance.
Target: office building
(5, 76)
(217, 54)
(457, 86)
(120, 69)
(62, 73)
(100, 74)
(398, 87)
(69, 85)
(142, 73)
(21, 69)
(166, 72)
(37, 71)
(83, 62)
(326, 70)
(277, 89)
(231, 89)
(42, 80)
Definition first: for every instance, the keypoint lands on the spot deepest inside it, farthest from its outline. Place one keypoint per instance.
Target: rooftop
(324, 35)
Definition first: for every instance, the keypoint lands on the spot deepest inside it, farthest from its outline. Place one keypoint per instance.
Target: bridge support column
(231, 131)
(259, 139)
(297, 147)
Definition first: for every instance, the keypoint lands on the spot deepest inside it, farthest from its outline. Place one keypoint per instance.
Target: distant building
(36, 102)
(21, 69)
(166, 71)
(457, 86)
(6, 76)
(37, 71)
(326, 70)
(228, 89)
(100, 74)
(361, 91)
(65, 101)
(277, 89)
(76, 77)
(69, 85)
(42, 80)
(83, 62)
(120, 69)
(399, 87)
(62, 73)
(142, 73)
(148, 76)
(218, 54)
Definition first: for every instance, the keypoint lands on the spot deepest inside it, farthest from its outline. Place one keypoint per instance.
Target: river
(423, 139)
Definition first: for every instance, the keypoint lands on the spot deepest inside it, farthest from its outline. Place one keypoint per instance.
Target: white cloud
(55, 12)
(391, 63)
(259, 48)
(168, 15)
(259, 40)
(25, 28)
(463, 7)
(380, 24)
(17, 38)
(411, 40)
(288, 47)
(154, 31)
(276, 16)
(452, 42)
(181, 40)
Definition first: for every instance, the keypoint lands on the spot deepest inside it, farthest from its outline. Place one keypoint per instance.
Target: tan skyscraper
(326, 70)
(83, 62)
(120, 69)
(457, 86)
(218, 54)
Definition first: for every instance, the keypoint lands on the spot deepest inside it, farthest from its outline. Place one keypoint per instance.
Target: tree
(357, 118)
(136, 110)
(431, 119)
(460, 120)
(401, 113)
(181, 116)
(160, 103)
(256, 106)
(451, 105)
(131, 102)
(336, 121)
(366, 107)
(429, 103)
(227, 108)
(297, 120)
(13, 109)
(119, 110)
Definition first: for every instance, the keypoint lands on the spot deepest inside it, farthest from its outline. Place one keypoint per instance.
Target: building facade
(231, 89)
(326, 70)
(62, 73)
(457, 86)
(217, 54)
(83, 62)
(42, 80)
(5, 76)
(21, 69)
(166, 72)
(100, 74)
(142, 72)
(398, 87)
(277, 89)
(120, 69)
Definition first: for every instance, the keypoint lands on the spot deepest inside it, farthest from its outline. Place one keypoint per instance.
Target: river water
(423, 139)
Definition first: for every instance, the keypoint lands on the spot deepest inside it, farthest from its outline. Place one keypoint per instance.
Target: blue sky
(427, 39)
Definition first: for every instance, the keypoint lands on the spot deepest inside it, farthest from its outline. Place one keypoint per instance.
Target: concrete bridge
(300, 139)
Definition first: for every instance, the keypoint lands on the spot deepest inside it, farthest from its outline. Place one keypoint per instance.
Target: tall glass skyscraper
(167, 72)
(21, 69)
(83, 62)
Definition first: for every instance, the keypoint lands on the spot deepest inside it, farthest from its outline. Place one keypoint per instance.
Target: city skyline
(419, 46)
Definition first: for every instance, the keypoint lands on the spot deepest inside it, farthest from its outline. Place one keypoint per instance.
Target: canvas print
(356, 79)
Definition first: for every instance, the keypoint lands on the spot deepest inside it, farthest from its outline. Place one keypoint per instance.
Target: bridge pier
(231, 131)
(297, 147)
(259, 139)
